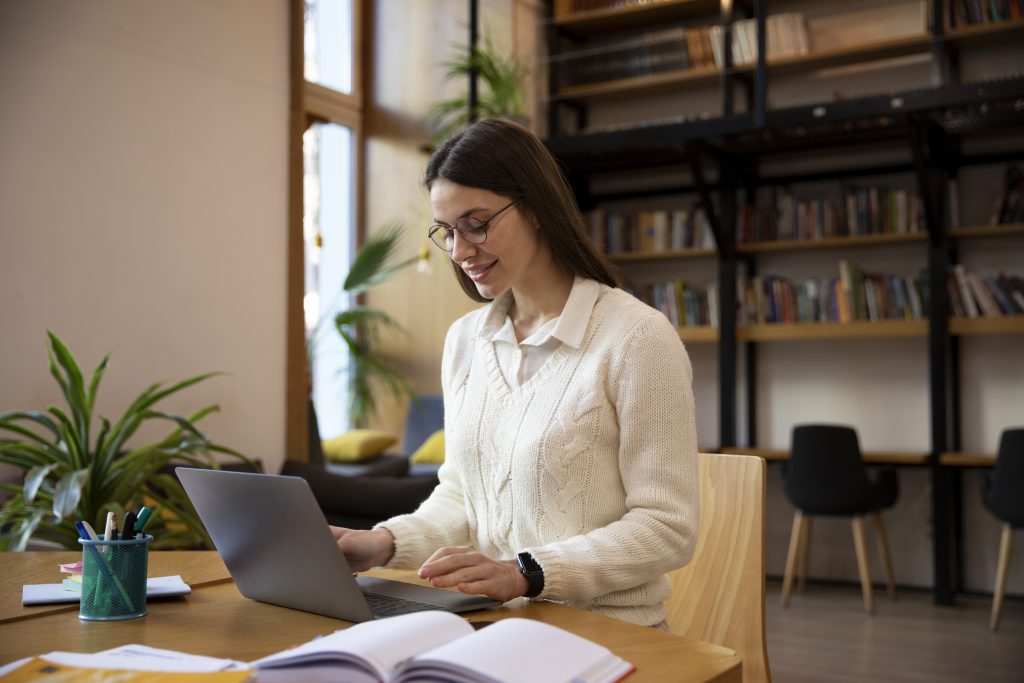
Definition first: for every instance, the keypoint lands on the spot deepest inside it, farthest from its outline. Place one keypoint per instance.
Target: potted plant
(75, 472)
(360, 326)
(502, 92)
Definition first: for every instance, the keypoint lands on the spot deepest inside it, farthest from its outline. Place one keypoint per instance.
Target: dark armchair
(359, 495)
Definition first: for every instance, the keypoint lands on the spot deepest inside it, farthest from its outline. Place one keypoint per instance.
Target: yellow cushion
(357, 445)
(432, 450)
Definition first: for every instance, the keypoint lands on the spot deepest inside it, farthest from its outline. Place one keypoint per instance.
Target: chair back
(719, 596)
(825, 474)
(1004, 498)
(421, 421)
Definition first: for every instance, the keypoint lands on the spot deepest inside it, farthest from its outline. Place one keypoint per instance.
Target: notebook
(275, 541)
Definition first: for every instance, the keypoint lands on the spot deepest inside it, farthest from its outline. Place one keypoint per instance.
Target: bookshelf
(725, 156)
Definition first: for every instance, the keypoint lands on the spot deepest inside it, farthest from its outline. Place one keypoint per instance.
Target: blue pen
(90, 533)
(82, 533)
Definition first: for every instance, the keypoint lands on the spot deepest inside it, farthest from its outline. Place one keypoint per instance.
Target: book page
(520, 651)
(378, 645)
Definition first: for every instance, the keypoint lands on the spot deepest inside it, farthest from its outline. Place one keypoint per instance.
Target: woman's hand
(473, 572)
(364, 549)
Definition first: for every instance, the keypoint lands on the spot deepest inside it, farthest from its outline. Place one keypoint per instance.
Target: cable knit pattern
(591, 465)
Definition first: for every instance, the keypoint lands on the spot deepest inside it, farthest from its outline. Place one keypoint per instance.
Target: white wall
(143, 193)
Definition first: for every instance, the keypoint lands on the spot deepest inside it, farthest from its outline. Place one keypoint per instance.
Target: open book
(439, 645)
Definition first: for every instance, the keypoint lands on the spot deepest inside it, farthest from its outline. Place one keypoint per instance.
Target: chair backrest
(421, 421)
(719, 596)
(826, 473)
(1005, 498)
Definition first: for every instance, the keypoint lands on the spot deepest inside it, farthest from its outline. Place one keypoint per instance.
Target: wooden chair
(719, 596)
(1001, 494)
(826, 475)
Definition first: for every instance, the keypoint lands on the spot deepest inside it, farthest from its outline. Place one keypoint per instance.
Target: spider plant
(76, 472)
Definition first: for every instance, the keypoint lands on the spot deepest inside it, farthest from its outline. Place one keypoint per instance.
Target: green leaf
(9, 421)
(35, 478)
(373, 263)
(74, 389)
(94, 383)
(68, 493)
(28, 527)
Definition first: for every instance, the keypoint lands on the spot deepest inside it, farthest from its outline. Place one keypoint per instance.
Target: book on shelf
(1009, 205)
(874, 210)
(606, 59)
(961, 13)
(853, 295)
(984, 296)
(683, 304)
(649, 232)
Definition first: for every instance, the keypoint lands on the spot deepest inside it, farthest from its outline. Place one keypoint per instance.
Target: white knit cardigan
(590, 466)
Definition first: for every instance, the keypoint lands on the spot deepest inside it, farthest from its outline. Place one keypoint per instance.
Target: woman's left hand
(473, 572)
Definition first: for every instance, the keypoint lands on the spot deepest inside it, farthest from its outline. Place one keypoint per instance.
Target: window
(325, 137)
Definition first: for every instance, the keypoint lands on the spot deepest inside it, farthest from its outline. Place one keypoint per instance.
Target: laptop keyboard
(390, 606)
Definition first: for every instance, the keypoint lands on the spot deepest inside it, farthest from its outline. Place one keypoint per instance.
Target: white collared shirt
(519, 361)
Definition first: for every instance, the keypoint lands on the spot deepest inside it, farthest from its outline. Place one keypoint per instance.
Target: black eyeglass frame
(484, 227)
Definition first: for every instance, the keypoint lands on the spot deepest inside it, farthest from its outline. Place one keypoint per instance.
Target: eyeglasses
(473, 230)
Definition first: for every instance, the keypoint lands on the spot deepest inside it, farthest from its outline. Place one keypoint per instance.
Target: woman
(571, 457)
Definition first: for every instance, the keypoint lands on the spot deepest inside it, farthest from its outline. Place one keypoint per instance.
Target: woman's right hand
(364, 549)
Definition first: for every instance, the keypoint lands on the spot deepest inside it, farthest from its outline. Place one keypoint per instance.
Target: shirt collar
(571, 324)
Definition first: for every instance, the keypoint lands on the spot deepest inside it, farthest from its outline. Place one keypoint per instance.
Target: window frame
(311, 103)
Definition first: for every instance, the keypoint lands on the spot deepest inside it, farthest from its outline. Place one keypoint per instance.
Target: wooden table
(216, 620)
(870, 457)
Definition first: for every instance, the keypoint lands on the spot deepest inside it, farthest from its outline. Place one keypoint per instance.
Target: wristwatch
(534, 575)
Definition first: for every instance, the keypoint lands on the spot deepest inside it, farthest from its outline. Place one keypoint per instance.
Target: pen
(82, 533)
(90, 532)
(110, 528)
(143, 519)
(129, 526)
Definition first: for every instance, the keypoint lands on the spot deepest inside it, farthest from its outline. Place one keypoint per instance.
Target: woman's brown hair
(507, 159)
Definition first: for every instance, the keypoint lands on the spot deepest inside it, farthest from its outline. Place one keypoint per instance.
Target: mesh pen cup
(114, 579)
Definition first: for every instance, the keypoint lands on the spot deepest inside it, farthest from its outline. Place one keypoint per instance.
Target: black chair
(826, 475)
(1003, 495)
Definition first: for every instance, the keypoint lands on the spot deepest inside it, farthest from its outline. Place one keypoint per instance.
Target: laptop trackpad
(448, 600)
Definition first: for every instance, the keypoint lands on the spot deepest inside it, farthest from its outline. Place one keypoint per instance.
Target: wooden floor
(824, 635)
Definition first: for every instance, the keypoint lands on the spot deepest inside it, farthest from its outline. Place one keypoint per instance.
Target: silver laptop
(275, 541)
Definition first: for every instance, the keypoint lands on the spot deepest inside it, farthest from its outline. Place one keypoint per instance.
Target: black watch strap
(534, 575)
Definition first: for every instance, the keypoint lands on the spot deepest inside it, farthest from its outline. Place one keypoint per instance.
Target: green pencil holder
(114, 579)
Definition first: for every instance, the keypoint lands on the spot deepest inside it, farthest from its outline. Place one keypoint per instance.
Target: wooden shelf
(650, 14)
(985, 32)
(987, 230)
(860, 329)
(831, 242)
(967, 460)
(1004, 324)
(816, 59)
(644, 84)
(861, 52)
(699, 334)
(625, 256)
(872, 457)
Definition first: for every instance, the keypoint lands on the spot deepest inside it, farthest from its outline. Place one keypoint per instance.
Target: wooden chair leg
(883, 550)
(791, 556)
(862, 564)
(1005, 550)
(805, 553)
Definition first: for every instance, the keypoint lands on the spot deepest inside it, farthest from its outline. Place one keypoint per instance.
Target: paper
(49, 593)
